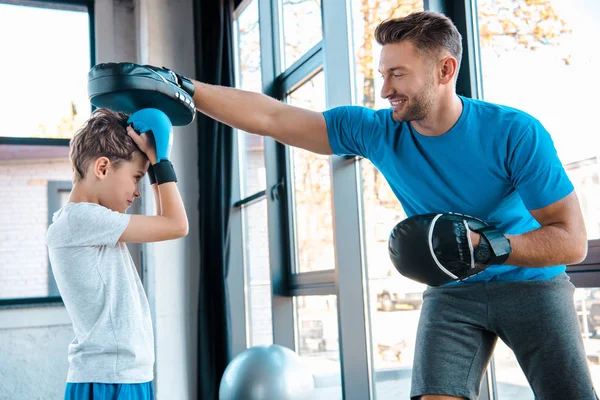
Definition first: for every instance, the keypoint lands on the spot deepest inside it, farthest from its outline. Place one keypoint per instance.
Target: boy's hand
(145, 142)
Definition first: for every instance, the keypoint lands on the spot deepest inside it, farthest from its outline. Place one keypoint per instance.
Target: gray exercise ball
(266, 373)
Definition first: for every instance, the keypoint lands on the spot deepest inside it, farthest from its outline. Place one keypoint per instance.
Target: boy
(112, 355)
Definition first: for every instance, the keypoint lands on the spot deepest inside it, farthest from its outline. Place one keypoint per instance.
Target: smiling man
(444, 153)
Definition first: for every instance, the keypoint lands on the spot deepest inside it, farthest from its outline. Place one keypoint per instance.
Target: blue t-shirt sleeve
(535, 169)
(351, 130)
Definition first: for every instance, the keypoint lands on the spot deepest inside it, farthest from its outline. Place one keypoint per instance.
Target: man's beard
(419, 106)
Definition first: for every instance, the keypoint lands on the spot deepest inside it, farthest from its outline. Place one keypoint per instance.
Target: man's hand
(475, 239)
(145, 143)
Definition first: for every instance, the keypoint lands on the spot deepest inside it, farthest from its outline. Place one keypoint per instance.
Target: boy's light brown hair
(103, 135)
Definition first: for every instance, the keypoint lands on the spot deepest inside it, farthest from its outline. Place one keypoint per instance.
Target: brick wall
(23, 224)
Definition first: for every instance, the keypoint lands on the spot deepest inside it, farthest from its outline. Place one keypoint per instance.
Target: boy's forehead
(140, 161)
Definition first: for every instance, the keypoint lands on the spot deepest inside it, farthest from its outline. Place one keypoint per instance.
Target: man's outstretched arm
(262, 115)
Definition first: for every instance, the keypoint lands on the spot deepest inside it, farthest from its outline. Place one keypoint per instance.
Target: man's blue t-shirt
(495, 164)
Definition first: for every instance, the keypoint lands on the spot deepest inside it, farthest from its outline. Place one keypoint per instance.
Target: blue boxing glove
(156, 122)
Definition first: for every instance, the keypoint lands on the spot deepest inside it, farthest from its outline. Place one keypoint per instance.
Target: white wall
(33, 349)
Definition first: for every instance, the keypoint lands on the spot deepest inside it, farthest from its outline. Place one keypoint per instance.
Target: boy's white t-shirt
(103, 295)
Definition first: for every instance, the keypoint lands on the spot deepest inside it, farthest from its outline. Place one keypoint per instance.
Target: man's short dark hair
(428, 31)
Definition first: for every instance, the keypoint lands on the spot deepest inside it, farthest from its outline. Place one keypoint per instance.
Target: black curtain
(214, 65)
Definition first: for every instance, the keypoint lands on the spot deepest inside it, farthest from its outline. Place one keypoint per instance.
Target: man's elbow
(579, 251)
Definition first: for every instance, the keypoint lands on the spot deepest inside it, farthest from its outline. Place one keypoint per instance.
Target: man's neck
(441, 118)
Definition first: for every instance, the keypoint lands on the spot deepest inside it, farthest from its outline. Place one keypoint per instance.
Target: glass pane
(53, 45)
(248, 77)
(538, 56)
(366, 15)
(258, 274)
(302, 29)
(25, 172)
(312, 190)
(252, 164)
(318, 344)
(587, 304)
(394, 301)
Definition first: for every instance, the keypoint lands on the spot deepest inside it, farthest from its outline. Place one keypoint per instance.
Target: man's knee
(439, 397)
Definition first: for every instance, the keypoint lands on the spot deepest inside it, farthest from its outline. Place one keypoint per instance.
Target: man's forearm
(248, 111)
(546, 246)
(263, 115)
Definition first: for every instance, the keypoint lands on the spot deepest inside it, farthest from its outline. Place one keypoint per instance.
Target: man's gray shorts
(460, 324)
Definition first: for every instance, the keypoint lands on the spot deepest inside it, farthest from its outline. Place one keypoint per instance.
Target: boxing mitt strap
(184, 83)
(500, 244)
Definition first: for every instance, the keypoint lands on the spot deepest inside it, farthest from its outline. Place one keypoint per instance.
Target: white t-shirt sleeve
(95, 225)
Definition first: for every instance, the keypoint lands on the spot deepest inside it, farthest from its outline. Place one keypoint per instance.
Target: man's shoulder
(499, 112)
(359, 112)
(505, 120)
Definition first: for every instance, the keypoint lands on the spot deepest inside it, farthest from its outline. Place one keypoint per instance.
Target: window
(312, 190)
(587, 304)
(249, 78)
(539, 57)
(318, 343)
(366, 15)
(255, 232)
(394, 301)
(36, 181)
(56, 104)
(302, 29)
(39, 116)
(258, 274)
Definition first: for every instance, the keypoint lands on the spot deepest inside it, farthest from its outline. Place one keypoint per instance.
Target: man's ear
(447, 69)
(101, 167)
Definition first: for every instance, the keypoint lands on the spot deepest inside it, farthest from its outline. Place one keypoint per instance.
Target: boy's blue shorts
(109, 391)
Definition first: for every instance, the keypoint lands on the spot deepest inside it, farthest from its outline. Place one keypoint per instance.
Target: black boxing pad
(436, 249)
(128, 87)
